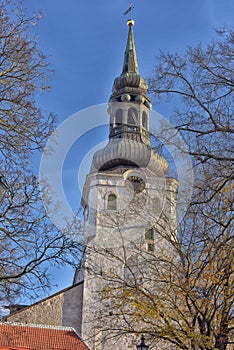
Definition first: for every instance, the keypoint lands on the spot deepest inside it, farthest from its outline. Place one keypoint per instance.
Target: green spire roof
(130, 58)
(130, 81)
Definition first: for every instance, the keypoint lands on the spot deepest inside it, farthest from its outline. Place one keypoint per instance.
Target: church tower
(127, 198)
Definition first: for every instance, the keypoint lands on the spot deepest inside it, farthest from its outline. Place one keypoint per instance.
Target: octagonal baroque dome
(130, 153)
(130, 80)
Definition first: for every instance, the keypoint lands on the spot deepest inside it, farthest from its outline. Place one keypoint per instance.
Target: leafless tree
(181, 295)
(28, 241)
(200, 83)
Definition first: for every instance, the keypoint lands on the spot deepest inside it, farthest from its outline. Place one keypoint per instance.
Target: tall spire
(129, 80)
(129, 110)
(130, 58)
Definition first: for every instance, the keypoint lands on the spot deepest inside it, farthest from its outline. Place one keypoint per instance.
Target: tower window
(150, 247)
(144, 120)
(111, 202)
(132, 116)
(149, 237)
(149, 234)
(119, 116)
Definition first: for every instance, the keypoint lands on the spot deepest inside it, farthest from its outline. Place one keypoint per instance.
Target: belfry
(129, 110)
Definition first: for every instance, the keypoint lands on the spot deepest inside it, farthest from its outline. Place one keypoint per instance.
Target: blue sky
(86, 39)
(85, 42)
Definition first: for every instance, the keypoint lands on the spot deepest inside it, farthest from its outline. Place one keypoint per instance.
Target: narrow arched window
(144, 120)
(150, 247)
(132, 116)
(112, 202)
(119, 116)
(149, 234)
(149, 237)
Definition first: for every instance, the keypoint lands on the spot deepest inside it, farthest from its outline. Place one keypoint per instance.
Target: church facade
(127, 199)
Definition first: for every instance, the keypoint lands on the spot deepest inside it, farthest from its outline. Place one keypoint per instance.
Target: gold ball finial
(130, 22)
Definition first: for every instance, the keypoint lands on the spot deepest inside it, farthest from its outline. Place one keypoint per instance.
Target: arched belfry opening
(133, 118)
(144, 120)
(119, 117)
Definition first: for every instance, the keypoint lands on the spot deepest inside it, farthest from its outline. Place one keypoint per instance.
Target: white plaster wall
(112, 230)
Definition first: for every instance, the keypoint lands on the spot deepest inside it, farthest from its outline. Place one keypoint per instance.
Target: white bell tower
(127, 198)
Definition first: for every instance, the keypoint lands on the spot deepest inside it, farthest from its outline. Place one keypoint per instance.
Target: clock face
(135, 184)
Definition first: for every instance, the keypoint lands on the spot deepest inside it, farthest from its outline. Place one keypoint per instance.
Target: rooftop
(15, 336)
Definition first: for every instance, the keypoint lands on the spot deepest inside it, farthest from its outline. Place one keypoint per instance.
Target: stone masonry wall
(61, 309)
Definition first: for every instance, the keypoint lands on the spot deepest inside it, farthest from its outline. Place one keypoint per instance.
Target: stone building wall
(61, 309)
